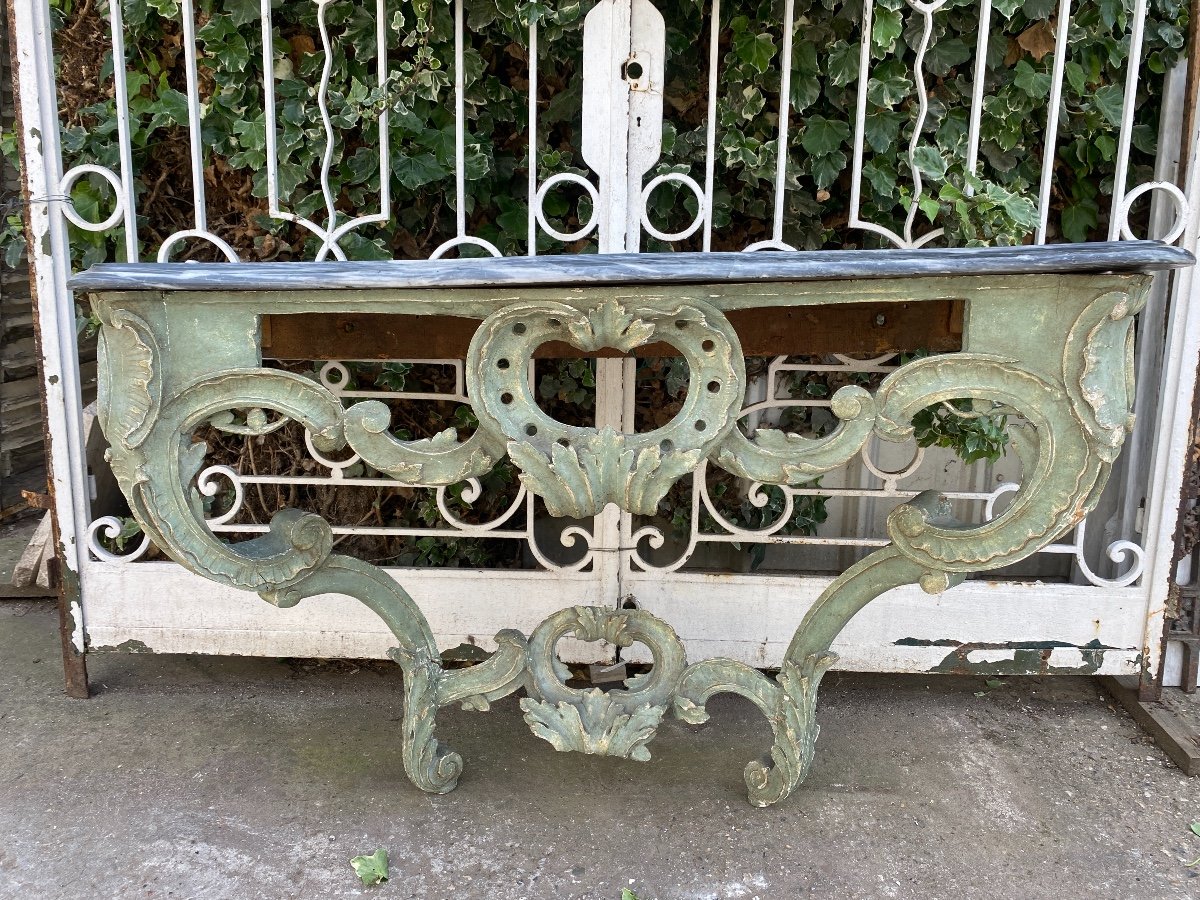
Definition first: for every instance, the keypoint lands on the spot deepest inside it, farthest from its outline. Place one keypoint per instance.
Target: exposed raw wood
(838, 328)
(33, 566)
(1172, 737)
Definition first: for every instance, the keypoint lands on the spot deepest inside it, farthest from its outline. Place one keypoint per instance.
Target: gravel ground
(192, 777)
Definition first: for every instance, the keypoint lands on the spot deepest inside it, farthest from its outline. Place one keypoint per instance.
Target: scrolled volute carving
(437, 461)
(158, 477)
(778, 457)
(1062, 473)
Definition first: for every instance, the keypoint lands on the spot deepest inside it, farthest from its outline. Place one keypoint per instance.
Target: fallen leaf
(1037, 39)
(371, 869)
(302, 44)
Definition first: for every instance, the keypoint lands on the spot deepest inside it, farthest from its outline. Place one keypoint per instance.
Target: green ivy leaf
(805, 92)
(417, 169)
(1076, 77)
(755, 50)
(822, 136)
(371, 869)
(242, 11)
(843, 63)
(1110, 100)
(888, 91)
(1078, 219)
(929, 206)
(946, 54)
(825, 169)
(1039, 9)
(882, 130)
(1034, 83)
(886, 28)
(174, 105)
(14, 250)
(1112, 12)
(882, 178)
(168, 9)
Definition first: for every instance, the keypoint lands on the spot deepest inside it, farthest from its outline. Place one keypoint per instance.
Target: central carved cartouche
(578, 471)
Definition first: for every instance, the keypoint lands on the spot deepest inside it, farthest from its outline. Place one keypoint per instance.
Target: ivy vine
(992, 205)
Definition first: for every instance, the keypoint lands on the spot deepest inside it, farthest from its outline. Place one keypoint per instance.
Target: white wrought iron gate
(1103, 615)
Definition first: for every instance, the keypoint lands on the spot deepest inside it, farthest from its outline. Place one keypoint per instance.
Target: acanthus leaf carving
(581, 480)
(1098, 368)
(610, 325)
(596, 724)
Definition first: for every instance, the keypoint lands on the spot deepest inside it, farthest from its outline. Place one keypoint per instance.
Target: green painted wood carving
(1052, 350)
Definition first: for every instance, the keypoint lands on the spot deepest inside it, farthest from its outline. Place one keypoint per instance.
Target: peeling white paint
(991, 656)
(1067, 658)
(77, 631)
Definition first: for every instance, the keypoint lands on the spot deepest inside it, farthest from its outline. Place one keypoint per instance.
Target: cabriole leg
(429, 764)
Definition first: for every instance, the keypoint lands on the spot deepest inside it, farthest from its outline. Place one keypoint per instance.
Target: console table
(1047, 337)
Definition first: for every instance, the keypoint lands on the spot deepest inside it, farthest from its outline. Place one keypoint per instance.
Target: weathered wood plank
(748, 618)
(837, 328)
(1168, 732)
(637, 268)
(32, 568)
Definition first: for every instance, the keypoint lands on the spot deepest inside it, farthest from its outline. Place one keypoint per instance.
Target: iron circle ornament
(1183, 211)
(701, 209)
(539, 211)
(68, 208)
(576, 470)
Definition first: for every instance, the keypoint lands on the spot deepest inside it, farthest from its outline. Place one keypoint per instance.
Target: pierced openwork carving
(1071, 387)
(612, 723)
(578, 471)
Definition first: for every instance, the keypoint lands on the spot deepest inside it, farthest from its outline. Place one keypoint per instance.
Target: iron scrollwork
(1072, 390)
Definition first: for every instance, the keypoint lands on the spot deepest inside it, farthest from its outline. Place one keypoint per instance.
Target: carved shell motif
(127, 354)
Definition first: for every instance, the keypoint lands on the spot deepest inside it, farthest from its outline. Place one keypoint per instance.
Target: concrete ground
(190, 777)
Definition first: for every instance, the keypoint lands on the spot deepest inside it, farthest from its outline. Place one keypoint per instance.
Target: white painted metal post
(49, 256)
(1173, 428)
